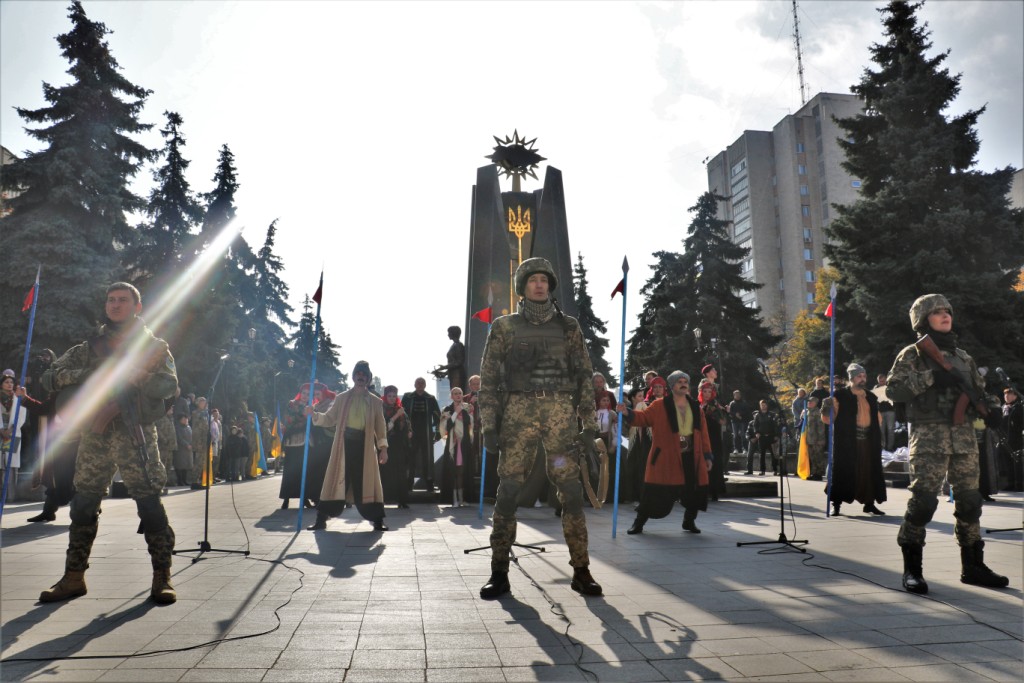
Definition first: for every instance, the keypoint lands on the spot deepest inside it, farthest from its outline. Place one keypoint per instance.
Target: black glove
(944, 379)
(994, 419)
(491, 442)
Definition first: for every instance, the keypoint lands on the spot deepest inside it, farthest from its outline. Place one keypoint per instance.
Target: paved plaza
(349, 604)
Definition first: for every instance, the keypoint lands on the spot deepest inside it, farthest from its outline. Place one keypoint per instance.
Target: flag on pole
(30, 297)
(261, 466)
(828, 311)
(275, 435)
(319, 290)
(206, 479)
(620, 288)
(803, 462)
(484, 315)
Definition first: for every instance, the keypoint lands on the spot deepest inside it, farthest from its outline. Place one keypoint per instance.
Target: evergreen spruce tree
(925, 221)
(173, 211)
(71, 213)
(591, 326)
(220, 202)
(702, 288)
(327, 359)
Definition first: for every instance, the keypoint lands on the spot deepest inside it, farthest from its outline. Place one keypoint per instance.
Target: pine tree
(591, 326)
(71, 213)
(327, 359)
(701, 288)
(173, 211)
(925, 222)
(220, 202)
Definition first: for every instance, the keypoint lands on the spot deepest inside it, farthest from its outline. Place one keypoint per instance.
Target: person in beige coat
(360, 443)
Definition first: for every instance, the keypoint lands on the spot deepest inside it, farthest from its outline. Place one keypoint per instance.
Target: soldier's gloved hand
(944, 379)
(586, 439)
(491, 441)
(994, 419)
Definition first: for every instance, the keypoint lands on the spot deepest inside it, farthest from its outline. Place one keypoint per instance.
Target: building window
(740, 185)
(741, 228)
(805, 210)
(804, 191)
(799, 148)
(809, 275)
(801, 169)
(855, 183)
(810, 298)
(739, 167)
(807, 235)
(824, 212)
(807, 255)
(782, 285)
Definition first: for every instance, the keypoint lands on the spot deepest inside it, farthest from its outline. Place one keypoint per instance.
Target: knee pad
(967, 506)
(508, 494)
(152, 514)
(920, 509)
(85, 509)
(571, 495)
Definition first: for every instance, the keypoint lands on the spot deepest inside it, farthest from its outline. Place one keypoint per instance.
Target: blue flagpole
(259, 442)
(831, 394)
(309, 403)
(622, 380)
(17, 402)
(483, 451)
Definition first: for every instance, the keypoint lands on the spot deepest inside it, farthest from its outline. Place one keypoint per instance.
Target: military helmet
(532, 266)
(925, 306)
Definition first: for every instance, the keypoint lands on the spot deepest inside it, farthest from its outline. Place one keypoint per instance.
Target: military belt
(540, 393)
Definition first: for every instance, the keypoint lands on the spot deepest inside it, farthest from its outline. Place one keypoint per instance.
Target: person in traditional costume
(360, 446)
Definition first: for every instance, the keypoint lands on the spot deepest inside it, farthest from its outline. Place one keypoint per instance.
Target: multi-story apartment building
(779, 186)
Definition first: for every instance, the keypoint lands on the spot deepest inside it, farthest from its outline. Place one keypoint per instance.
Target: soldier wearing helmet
(938, 447)
(535, 385)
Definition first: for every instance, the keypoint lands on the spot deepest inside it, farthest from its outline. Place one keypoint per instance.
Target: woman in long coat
(294, 447)
(678, 464)
(459, 460)
(394, 475)
(353, 475)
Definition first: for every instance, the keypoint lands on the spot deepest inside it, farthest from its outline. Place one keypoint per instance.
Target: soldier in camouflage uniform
(167, 440)
(124, 346)
(939, 448)
(535, 383)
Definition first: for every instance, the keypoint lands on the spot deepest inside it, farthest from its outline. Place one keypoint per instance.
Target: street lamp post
(291, 364)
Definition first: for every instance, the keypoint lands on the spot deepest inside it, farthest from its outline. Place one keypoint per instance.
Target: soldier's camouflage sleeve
(163, 378)
(492, 374)
(584, 378)
(70, 369)
(909, 377)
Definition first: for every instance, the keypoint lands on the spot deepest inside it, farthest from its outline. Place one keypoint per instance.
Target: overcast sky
(361, 125)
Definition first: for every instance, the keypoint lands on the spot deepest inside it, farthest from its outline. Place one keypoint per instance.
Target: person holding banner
(942, 443)
(535, 384)
(124, 345)
(680, 458)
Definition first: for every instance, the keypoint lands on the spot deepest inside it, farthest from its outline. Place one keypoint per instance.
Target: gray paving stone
(766, 665)
(702, 669)
(447, 658)
(223, 675)
(937, 672)
(563, 672)
(389, 659)
(1002, 670)
(387, 675)
(466, 675)
(302, 676)
(144, 675)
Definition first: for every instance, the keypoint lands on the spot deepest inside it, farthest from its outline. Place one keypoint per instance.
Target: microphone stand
(782, 540)
(204, 545)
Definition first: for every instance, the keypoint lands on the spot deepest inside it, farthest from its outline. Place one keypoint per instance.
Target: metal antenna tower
(799, 55)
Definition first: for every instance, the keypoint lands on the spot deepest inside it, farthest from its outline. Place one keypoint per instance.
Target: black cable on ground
(217, 641)
(556, 610)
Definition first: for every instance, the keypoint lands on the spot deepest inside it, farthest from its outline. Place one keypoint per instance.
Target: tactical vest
(935, 406)
(538, 357)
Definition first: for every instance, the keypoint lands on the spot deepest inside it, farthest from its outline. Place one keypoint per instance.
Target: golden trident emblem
(519, 225)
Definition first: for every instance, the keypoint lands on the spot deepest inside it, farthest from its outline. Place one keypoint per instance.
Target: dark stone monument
(505, 229)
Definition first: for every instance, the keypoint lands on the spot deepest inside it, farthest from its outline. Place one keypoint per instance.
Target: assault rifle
(127, 406)
(968, 393)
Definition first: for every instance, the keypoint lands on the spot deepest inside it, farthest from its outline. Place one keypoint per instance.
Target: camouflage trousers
(938, 451)
(99, 455)
(533, 426)
(199, 461)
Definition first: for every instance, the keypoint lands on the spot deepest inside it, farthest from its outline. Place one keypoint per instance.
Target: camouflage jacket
(167, 440)
(200, 423)
(910, 381)
(493, 369)
(153, 364)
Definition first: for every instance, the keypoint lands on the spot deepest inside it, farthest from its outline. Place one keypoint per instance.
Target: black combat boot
(583, 583)
(690, 524)
(974, 572)
(913, 581)
(496, 586)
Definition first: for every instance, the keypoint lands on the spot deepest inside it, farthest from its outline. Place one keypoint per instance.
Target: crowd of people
(363, 449)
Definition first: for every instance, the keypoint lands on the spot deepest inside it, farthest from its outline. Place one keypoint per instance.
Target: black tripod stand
(782, 540)
(204, 545)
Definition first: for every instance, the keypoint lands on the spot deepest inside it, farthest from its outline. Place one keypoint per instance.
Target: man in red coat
(680, 457)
